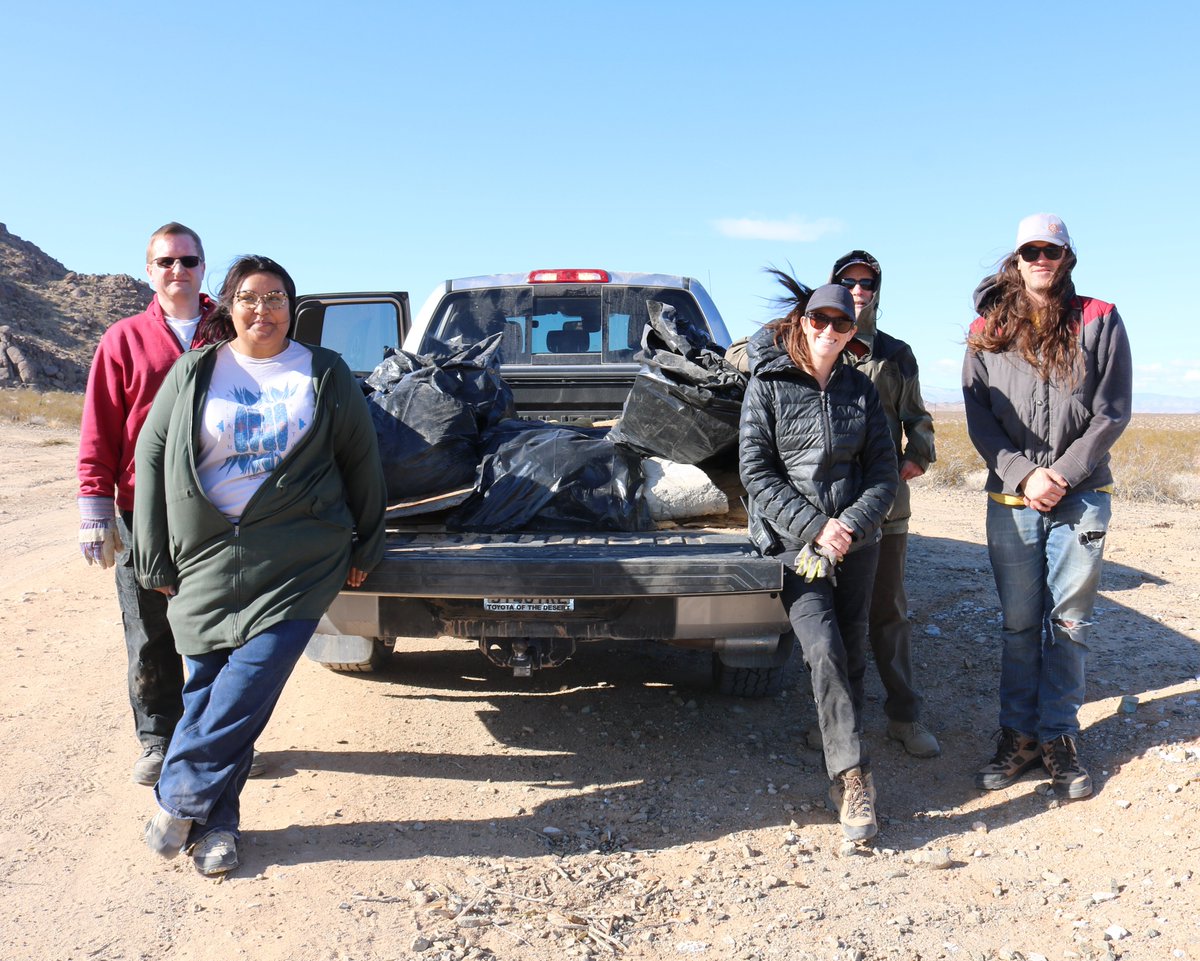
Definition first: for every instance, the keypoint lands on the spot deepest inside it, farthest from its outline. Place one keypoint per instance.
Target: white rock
(675, 491)
(1115, 933)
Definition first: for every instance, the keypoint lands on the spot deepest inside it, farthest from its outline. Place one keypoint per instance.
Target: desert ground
(616, 807)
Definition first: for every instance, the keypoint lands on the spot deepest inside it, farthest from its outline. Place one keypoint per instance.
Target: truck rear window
(540, 325)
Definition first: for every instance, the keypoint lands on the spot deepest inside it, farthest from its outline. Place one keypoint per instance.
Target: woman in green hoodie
(260, 494)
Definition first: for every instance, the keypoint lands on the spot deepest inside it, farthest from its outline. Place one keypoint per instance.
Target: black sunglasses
(866, 283)
(166, 263)
(840, 324)
(1030, 253)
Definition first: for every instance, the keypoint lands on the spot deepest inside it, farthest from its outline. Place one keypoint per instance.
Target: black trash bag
(686, 402)
(428, 413)
(546, 477)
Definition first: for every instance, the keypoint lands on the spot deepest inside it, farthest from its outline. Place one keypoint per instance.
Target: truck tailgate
(675, 562)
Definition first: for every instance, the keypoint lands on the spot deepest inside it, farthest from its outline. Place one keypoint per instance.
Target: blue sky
(389, 146)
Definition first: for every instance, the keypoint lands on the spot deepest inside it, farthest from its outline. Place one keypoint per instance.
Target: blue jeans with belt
(227, 700)
(1047, 570)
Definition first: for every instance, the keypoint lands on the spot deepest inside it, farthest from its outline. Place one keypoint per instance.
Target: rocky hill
(51, 318)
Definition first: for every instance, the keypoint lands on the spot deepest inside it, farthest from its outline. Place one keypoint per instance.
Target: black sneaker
(1067, 776)
(215, 853)
(1015, 754)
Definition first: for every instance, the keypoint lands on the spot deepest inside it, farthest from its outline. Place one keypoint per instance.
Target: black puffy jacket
(808, 454)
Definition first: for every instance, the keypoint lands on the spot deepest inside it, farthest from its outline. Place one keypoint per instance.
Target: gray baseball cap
(832, 296)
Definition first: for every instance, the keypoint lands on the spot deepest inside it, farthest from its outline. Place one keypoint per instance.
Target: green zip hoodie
(319, 513)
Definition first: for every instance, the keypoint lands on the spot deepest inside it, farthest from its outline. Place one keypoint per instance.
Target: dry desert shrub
(54, 408)
(1156, 459)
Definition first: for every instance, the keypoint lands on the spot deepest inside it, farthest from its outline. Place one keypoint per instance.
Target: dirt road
(613, 808)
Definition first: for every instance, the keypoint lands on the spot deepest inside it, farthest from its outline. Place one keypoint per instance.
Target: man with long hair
(1047, 382)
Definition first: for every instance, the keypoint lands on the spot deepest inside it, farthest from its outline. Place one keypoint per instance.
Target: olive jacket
(319, 513)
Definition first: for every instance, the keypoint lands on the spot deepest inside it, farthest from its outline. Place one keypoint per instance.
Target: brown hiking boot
(852, 795)
(1067, 776)
(1015, 754)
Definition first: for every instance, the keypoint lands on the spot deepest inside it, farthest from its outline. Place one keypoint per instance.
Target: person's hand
(356, 577)
(99, 541)
(1043, 489)
(814, 564)
(909, 470)
(169, 591)
(835, 539)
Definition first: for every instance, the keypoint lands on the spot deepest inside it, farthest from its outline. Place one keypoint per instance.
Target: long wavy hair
(218, 325)
(788, 330)
(1046, 334)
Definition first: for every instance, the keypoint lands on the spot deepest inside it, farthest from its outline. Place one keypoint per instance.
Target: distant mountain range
(946, 397)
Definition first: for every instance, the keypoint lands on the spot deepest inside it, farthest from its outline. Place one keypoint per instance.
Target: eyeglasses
(866, 283)
(275, 300)
(1030, 253)
(166, 263)
(840, 324)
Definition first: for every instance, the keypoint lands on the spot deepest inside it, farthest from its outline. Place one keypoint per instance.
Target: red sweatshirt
(130, 364)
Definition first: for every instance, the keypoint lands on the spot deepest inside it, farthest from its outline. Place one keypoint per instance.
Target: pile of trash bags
(686, 402)
(447, 426)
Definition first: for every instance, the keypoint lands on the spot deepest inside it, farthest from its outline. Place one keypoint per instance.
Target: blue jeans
(831, 624)
(1047, 571)
(227, 700)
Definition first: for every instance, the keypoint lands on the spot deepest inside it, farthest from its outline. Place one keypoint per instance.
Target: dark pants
(831, 624)
(155, 668)
(228, 701)
(891, 631)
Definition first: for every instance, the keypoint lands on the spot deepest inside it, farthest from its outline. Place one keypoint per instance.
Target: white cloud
(794, 229)
(1189, 375)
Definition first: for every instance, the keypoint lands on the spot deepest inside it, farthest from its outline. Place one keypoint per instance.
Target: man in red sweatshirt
(130, 364)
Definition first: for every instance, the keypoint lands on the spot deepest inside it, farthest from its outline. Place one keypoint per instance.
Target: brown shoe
(1067, 776)
(1015, 754)
(852, 795)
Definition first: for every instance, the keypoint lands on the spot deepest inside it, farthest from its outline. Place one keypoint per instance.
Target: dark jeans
(891, 631)
(831, 624)
(227, 701)
(155, 668)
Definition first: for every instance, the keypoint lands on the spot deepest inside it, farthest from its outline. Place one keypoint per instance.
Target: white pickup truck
(569, 340)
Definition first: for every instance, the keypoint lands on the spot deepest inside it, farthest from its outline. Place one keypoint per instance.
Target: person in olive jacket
(260, 494)
(890, 364)
(819, 466)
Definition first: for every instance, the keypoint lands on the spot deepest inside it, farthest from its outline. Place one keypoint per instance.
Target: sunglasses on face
(1030, 253)
(166, 263)
(820, 322)
(866, 283)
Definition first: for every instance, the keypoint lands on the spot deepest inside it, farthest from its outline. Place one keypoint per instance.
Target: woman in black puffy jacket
(820, 467)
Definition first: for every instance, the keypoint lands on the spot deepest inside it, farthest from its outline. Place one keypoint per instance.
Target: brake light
(568, 277)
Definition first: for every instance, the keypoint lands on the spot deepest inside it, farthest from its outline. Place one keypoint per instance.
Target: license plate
(529, 605)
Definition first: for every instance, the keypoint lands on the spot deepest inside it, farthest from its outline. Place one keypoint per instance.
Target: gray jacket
(1019, 421)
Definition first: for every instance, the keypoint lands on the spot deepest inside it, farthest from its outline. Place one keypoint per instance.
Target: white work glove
(813, 563)
(99, 541)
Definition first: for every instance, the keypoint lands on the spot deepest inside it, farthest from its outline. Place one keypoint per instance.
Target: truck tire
(764, 681)
(380, 653)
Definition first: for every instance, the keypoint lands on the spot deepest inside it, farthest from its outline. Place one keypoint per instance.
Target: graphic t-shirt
(257, 410)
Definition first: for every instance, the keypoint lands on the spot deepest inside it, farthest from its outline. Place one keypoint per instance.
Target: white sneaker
(215, 853)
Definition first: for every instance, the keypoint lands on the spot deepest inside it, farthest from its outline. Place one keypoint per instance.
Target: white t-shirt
(255, 413)
(184, 330)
